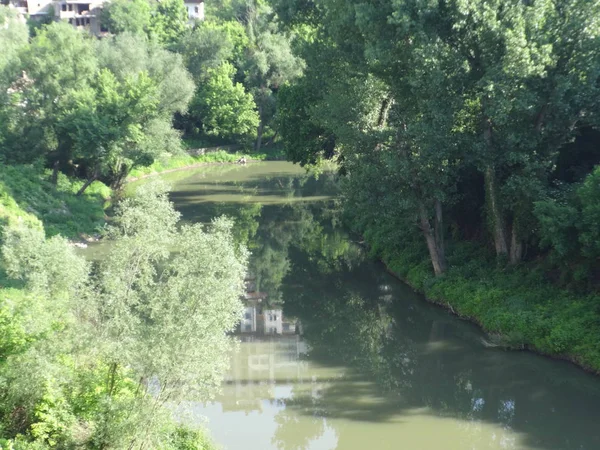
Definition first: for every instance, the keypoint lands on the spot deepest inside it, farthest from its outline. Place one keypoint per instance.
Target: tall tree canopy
(491, 90)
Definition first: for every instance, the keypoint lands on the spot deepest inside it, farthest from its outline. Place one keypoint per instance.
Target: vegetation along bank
(467, 137)
(468, 140)
(83, 345)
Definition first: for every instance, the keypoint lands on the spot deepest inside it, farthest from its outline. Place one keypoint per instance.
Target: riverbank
(28, 200)
(27, 195)
(517, 306)
(208, 156)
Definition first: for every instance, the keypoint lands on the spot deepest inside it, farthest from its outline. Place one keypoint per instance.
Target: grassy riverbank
(183, 161)
(519, 306)
(27, 196)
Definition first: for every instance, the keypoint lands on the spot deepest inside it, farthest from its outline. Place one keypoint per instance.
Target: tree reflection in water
(383, 364)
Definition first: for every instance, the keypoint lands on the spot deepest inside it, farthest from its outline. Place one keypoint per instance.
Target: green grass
(518, 304)
(177, 162)
(26, 196)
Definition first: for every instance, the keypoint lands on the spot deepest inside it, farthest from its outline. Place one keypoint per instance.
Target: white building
(273, 321)
(80, 13)
(36, 9)
(195, 9)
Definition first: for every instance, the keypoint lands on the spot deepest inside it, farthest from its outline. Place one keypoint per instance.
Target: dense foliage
(461, 120)
(468, 139)
(99, 108)
(93, 355)
(467, 136)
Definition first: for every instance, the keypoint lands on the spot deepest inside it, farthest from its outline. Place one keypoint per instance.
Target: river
(336, 354)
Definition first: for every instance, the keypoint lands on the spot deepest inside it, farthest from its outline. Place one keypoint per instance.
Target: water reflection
(335, 353)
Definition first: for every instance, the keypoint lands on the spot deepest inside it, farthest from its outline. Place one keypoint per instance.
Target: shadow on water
(406, 357)
(378, 364)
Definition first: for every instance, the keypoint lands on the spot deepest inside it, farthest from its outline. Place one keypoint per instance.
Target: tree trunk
(516, 246)
(494, 209)
(272, 139)
(89, 181)
(120, 175)
(259, 131)
(436, 253)
(386, 104)
(55, 172)
(492, 196)
(439, 231)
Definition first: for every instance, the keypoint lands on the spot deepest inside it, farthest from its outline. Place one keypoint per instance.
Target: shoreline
(191, 166)
(83, 240)
(572, 359)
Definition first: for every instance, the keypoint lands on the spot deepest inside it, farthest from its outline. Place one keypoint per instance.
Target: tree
(129, 57)
(122, 16)
(58, 63)
(164, 21)
(490, 86)
(205, 47)
(223, 107)
(169, 21)
(14, 38)
(119, 340)
(107, 125)
(269, 62)
(128, 54)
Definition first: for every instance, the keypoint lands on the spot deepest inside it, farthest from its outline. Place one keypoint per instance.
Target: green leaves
(223, 106)
(164, 21)
(146, 326)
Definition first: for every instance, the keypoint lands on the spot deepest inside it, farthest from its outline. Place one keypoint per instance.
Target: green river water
(337, 354)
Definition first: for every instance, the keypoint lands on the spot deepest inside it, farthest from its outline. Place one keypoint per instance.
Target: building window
(63, 7)
(248, 327)
(197, 10)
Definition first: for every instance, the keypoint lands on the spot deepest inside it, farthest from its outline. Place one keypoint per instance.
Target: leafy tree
(164, 21)
(14, 38)
(107, 125)
(205, 47)
(269, 64)
(169, 21)
(223, 106)
(58, 63)
(128, 57)
(122, 16)
(128, 54)
(484, 85)
(107, 348)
